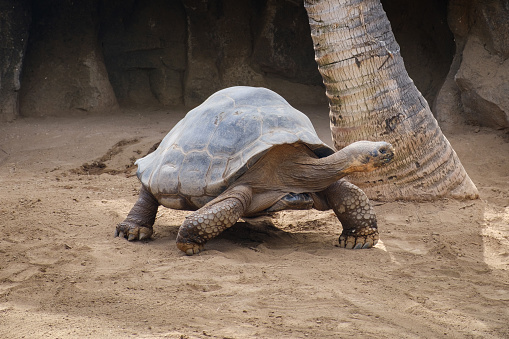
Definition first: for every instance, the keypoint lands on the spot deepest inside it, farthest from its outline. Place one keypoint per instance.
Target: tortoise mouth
(388, 158)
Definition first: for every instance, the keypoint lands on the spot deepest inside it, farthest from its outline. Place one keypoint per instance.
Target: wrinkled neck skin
(313, 174)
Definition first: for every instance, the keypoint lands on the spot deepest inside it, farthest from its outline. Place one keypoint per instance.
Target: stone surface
(144, 45)
(250, 43)
(478, 81)
(180, 52)
(85, 56)
(483, 79)
(490, 21)
(14, 22)
(64, 72)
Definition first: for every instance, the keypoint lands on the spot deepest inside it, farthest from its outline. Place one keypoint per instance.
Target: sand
(441, 269)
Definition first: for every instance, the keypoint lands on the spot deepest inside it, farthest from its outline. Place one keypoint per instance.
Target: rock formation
(481, 69)
(14, 22)
(62, 57)
(64, 72)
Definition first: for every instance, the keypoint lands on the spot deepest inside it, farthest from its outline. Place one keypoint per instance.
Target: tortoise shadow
(257, 233)
(253, 233)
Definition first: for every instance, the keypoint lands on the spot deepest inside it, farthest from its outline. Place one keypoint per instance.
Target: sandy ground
(441, 269)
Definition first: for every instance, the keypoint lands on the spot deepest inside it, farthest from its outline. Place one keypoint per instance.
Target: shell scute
(171, 165)
(193, 167)
(235, 132)
(215, 176)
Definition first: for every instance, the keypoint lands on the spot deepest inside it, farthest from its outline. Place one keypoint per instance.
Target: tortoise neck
(316, 174)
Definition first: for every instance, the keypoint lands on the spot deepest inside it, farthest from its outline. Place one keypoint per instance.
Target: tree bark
(371, 97)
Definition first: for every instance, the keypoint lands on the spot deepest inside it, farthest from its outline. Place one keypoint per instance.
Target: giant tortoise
(246, 152)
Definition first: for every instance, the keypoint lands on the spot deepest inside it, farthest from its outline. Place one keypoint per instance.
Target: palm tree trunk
(371, 97)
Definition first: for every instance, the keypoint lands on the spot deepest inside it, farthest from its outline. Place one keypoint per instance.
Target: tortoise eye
(382, 151)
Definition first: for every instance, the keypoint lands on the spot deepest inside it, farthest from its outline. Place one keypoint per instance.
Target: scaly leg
(213, 218)
(354, 211)
(138, 223)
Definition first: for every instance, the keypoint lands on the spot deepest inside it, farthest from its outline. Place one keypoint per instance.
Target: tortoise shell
(217, 142)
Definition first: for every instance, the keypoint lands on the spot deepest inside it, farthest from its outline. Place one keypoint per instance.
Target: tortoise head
(366, 156)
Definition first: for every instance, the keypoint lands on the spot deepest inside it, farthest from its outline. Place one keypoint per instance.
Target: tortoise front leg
(138, 223)
(354, 211)
(213, 218)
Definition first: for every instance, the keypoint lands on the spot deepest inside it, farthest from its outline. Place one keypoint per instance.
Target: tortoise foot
(132, 231)
(359, 238)
(189, 248)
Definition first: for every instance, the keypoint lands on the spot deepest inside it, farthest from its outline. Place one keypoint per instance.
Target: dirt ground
(441, 268)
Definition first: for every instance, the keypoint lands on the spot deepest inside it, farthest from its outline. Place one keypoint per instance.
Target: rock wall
(14, 22)
(145, 50)
(477, 87)
(179, 52)
(90, 56)
(64, 72)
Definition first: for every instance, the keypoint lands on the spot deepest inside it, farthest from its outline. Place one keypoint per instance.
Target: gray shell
(218, 141)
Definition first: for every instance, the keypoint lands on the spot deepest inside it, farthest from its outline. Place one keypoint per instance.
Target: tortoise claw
(132, 231)
(144, 235)
(189, 248)
(367, 245)
(366, 237)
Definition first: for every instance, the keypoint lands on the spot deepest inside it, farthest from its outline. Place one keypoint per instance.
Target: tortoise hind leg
(138, 223)
(354, 211)
(213, 218)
